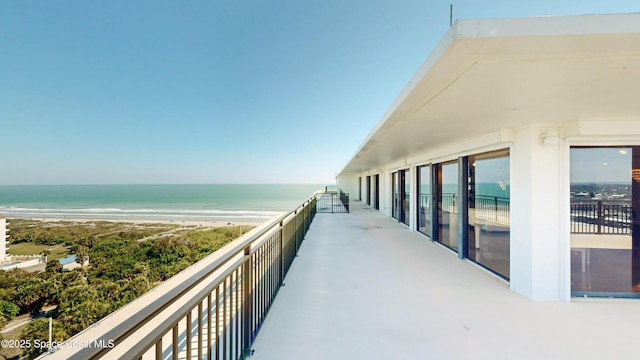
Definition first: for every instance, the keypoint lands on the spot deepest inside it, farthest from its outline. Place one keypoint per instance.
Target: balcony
(362, 286)
(365, 287)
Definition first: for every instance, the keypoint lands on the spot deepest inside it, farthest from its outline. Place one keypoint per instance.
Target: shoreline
(196, 223)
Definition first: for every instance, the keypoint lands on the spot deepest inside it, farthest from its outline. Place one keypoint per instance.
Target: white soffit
(487, 75)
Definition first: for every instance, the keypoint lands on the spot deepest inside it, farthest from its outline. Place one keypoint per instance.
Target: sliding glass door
(447, 190)
(368, 188)
(424, 199)
(395, 196)
(405, 184)
(464, 204)
(401, 186)
(488, 211)
(376, 192)
(605, 225)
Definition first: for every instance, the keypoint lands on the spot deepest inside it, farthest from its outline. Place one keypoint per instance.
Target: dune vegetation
(125, 261)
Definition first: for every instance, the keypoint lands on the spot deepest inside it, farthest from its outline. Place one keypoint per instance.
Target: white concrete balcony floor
(365, 287)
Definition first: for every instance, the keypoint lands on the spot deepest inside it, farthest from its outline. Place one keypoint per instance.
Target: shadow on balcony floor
(365, 287)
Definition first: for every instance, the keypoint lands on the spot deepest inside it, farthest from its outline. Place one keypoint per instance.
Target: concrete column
(536, 215)
(385, 181)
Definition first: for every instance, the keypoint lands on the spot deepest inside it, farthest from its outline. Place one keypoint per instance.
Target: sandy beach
(196, 223)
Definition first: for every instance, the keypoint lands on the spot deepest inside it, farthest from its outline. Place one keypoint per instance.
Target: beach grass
(27, 249)
(59, 252)
(55, 253)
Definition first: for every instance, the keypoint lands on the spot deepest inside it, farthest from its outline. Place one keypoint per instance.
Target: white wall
(349, 183)
(537, 253)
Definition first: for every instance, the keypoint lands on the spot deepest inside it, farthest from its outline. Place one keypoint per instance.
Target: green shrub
(8, 309)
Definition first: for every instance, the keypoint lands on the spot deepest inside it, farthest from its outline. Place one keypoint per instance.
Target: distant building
(69, 263)
(8, 262)
(3, 238)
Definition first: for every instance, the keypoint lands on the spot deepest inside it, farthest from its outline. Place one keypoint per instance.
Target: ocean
(215, 202)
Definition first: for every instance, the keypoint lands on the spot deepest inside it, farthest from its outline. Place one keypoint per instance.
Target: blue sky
(601, 165)
(212, 91)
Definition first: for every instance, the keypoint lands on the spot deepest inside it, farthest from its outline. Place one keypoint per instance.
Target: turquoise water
(482, 189)
(9, 264)
(163, 202)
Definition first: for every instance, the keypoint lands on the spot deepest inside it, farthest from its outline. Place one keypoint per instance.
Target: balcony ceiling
(487, 75)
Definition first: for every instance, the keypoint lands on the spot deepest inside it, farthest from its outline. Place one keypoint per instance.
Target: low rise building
(69, 263)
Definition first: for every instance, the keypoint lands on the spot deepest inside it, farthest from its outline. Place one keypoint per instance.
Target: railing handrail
(118, 325)
(333, 201)
(601, 217)
(449, 194)
(500, 198)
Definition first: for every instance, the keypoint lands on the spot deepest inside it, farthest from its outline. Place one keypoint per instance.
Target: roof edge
(491, 28)
(549, 25)
(383, 123)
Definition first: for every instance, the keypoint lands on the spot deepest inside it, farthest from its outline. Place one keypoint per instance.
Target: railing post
(189, 335)
(298, 230)
(305, 212)
(308, 217)
(295, 232)
(600, 218)
(333, 201)
(281, 233)
(247, 305)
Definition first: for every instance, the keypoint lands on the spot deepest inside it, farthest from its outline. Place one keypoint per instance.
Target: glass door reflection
(605, 233)
(395, 201)
(488, 212)
(424, 199)
(448, 205)
(406, 194)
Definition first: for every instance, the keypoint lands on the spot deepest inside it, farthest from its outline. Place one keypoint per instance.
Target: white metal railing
(212, 309)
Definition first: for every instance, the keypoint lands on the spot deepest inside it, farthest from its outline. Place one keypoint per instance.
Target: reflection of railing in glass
(424, 202)
(587, 217)
(595, 217)
(344, 199)
(599, 217)
(449, 203)
(492, 208)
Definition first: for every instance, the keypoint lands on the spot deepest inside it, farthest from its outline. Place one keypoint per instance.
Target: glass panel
(605, 195)
(424, 200)
(394, 185)
(368, 190)
(489, 227)
(376, 192)
(407, 193)
(373, 191)
(448, 205)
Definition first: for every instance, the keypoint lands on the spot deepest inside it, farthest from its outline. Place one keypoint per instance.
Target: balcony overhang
(494, 74)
